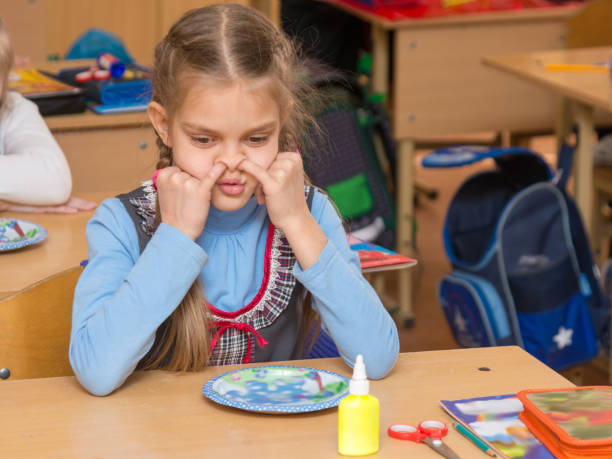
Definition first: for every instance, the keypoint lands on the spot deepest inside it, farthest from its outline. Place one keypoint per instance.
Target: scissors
(428, 432)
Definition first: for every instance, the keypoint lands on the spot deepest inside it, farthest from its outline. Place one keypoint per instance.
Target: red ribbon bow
(223, 325)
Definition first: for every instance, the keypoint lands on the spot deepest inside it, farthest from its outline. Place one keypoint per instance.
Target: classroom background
(420, 77)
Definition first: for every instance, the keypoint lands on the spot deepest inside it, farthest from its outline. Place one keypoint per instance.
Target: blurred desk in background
(105, 152)
(439, 87)
(64, 247)
(582, 93)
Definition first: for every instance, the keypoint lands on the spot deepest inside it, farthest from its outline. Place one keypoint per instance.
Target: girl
(34, 175)
(230, 218)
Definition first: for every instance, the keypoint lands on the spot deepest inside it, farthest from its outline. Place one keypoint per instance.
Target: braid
(182, 340)
(165, 154)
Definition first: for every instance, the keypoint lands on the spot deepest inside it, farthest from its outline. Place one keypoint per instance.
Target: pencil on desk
(577, 67)
(474, 439)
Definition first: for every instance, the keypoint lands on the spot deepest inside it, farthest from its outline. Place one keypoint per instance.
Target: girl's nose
(231, 156)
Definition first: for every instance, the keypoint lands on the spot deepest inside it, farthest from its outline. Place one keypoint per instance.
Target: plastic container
(112, 64)
(358, 416)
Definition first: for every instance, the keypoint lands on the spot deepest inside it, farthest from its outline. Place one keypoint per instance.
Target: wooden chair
(35, 328)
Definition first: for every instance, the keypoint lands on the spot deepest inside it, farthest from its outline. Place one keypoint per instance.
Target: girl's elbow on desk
(377, 366)
(98, 383)
(382, 367)
(96, 379)
(99, 390)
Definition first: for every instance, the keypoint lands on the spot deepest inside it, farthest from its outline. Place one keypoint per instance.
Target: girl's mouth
(231, 187)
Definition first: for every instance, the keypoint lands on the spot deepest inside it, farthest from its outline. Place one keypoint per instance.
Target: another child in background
(34, 174)
(230, 218)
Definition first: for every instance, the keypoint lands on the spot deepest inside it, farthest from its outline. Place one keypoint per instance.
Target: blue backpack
(523, 272)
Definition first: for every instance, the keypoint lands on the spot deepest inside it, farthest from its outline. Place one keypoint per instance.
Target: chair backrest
(35, 328)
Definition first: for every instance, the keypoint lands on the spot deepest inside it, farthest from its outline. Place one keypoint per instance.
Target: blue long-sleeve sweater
(123, 295)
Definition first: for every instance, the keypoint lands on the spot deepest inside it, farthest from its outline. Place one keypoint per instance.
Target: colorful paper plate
(277, 389)
(15, 233)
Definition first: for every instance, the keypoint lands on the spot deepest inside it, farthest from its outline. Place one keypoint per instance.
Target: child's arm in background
(348, 305)
(33, 169)
(123, 296)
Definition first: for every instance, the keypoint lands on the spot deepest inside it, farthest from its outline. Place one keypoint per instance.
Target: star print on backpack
(563, 337)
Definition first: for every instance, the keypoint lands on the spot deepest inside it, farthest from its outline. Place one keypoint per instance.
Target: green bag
(353, 196)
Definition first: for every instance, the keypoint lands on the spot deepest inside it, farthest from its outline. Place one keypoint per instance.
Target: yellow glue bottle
(358, 416)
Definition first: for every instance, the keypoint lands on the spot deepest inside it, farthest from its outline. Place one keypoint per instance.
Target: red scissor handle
(429, 428)
(433, 429)
(405, 432)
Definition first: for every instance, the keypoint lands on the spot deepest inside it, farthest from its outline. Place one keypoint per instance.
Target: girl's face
(225, 124)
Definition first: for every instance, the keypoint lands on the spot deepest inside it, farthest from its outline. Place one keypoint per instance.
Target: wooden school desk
(440, 89)
(584, 92)
(64, 247)
(105, 152)
(164, 414)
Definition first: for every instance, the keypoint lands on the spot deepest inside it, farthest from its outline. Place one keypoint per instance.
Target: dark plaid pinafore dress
(274, 316)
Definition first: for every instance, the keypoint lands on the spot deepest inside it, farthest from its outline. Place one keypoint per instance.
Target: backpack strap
(565, 159)
(382, 126)
(309, 189)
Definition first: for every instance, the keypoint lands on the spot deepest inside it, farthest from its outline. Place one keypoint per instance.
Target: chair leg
(379, 283)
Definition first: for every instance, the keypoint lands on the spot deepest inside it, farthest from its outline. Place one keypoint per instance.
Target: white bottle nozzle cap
(359, 384)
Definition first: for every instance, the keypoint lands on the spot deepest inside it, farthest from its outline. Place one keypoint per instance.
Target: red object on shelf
(406, 9)
(390, 3)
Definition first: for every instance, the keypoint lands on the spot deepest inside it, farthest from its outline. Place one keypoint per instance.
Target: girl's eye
(202, 140)
(257, 139)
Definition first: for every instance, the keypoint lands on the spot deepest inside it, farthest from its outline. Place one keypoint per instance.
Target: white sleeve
(33, 169)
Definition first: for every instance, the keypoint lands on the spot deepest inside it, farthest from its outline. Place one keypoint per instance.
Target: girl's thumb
(259, 195)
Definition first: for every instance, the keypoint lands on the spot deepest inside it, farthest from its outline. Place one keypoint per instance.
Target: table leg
(405, 224)
(380, 58)
(583, 164)
(563, 120)
(379, 281)
(596, 230)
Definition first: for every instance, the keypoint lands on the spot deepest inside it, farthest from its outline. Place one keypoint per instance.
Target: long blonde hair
(7, 59)
(227, 43)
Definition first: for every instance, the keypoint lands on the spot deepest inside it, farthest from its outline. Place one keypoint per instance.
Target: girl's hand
(281, 188)
(72, 206)
(184, 201)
